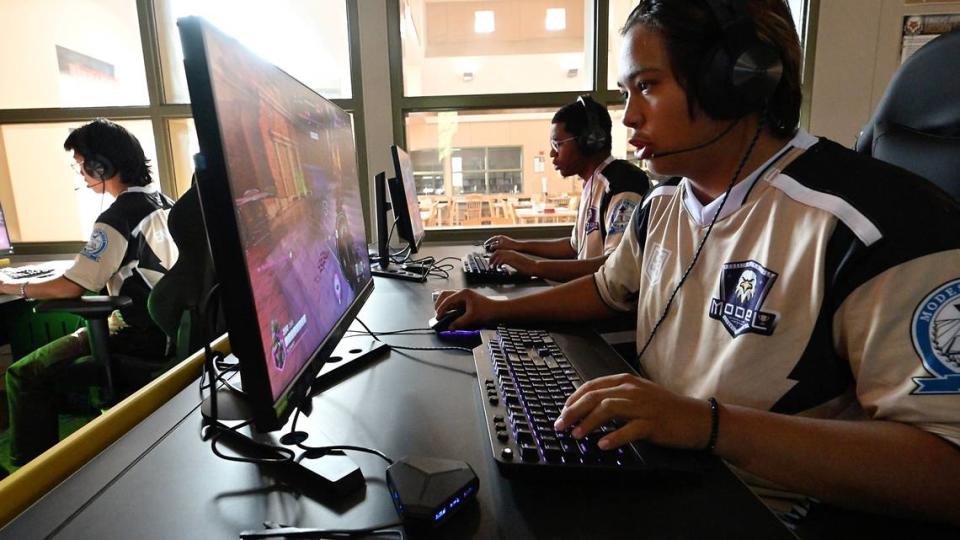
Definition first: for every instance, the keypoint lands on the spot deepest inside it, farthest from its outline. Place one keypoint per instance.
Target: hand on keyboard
(511, 259)
(644, 410)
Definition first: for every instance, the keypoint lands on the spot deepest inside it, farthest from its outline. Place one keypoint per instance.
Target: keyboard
(525, 377)
(27, 272)
(477, 269)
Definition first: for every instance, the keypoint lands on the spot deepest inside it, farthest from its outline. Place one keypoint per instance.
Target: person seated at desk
(612, 188)
(129, 250)
(788, 289)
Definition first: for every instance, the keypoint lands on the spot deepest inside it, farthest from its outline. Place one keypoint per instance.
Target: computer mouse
(441, 322)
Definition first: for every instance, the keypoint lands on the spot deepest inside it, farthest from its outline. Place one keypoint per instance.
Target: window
(76, 60)
(427, 172)
(49, 60)
(487, 170)
(479, 47)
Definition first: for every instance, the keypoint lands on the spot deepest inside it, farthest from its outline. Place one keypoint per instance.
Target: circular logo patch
(935, 331)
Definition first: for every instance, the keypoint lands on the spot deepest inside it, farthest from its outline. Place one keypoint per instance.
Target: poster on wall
(918, 30)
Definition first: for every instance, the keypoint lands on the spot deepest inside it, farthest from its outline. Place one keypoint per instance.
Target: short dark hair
(574, 118)
(690, 31)
(115, 143)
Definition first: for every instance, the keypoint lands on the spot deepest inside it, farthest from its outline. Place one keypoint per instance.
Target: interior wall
(858, 51)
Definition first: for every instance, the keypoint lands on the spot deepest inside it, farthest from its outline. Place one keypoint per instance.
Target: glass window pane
(426, 160)
(448, 49)
(47, 201)
(71, 53)
(183, 140)
(306, 39)
(504, 158)
(472, 158)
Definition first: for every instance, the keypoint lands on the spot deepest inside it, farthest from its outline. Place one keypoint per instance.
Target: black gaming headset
(98, 167)
(741, 72)
(594, 137)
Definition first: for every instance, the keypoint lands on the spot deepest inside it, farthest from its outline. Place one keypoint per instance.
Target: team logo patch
(743, 288)
(591, 223)
(620, 217)
(656, 262)
(95, 246)
(935, 330)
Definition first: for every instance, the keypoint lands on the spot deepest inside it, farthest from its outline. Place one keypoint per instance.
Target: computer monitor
(6, 247)
(403, 195)
(280, 195)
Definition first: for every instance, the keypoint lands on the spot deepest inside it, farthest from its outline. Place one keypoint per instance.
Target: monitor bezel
(398, 192)
(223, 236)
(4, 251)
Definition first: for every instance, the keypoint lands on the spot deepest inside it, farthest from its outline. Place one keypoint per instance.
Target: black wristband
(714, 424)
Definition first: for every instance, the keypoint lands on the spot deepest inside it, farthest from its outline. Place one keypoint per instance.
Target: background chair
(174, 304)
(917, 123)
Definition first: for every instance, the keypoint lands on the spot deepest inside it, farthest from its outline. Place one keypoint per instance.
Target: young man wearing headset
(803, 346)
(128, 252)
(612, 189)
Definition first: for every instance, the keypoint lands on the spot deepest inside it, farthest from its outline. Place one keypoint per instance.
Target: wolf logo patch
(743, 288)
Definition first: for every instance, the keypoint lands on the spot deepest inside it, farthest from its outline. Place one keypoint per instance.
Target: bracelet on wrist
(714, 424)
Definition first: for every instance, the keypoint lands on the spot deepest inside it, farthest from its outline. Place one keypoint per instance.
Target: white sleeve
(99, 259)
(618, 280)
(900, 332)
(620, 210)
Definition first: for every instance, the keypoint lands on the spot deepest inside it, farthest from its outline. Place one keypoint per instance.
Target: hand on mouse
(478, 309)
(499, 242)
(521, 263)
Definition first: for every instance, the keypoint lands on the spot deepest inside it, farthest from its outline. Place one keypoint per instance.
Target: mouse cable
(405, 348)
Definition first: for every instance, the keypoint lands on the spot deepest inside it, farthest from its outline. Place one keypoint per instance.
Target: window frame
(159, 113)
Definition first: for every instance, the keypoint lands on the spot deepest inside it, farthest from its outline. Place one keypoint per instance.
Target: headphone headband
(594, 137)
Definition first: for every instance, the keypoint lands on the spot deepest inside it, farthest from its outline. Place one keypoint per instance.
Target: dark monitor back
(6, 247)
(403, 194)
(281, 204)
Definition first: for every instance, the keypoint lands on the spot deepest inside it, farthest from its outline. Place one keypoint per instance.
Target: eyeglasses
(77, 167)
(557, 144)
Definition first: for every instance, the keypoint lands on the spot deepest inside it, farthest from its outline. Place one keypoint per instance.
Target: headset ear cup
(99, 167)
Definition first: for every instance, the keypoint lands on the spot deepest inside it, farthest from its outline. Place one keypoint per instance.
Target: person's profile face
(89, 181)
(656, 105)
(563, 150)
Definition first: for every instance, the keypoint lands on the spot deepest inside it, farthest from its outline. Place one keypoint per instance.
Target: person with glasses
(580, 144)
(129, 250)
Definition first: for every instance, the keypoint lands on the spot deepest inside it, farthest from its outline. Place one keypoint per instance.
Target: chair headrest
(924, 94)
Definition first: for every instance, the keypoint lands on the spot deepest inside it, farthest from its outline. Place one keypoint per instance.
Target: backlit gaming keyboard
(477, 269)
(526, 379)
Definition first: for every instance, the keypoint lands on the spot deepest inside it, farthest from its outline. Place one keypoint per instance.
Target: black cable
(333, 534)
(447, 348)
(696, 255)
(323, 450)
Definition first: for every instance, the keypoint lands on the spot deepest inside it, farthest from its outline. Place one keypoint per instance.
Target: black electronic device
(741, 72)
(6, 247)
(526, 375)
(403, 197)
(477, 269)
(441, 322)
(594, 137)
(382, 265)
(427, 491)
(280, 195)
(98, 167)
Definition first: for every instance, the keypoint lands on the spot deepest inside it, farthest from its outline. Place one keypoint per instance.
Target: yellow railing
(33, 480)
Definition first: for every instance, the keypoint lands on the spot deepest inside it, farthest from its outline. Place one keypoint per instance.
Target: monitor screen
(403, 194)
(6, 248)
(280, 195)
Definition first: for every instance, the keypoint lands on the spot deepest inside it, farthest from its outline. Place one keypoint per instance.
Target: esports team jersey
(829, 287)
(609, 198)
(129, 251)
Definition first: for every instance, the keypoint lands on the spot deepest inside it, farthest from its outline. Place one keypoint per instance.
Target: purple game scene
(291, 162)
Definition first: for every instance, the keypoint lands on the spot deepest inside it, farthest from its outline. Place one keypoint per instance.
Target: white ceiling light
(556, 19)
(483, 22)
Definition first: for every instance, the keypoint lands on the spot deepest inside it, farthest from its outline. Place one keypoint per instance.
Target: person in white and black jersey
(580, 144)
(796, 302)
(129, 250)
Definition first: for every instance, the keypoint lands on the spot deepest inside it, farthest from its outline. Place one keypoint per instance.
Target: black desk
(161, 481)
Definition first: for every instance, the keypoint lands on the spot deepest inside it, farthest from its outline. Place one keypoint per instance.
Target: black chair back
(917, 124)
